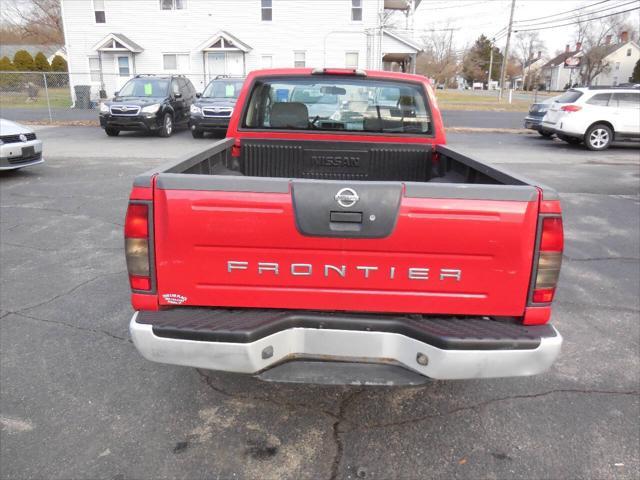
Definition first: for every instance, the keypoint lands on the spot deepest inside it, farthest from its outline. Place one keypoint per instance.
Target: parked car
(19, 146)
(537, 111)
(596, 116)
(213, 108)
(149, 103)
(347, 252)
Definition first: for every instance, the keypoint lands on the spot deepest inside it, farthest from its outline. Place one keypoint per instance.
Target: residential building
(620, 59)
(567, 69)
(562, 71)
(109, 41)
(530, 76)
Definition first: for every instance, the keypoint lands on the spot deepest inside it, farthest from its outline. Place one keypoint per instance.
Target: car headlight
(151, 108)
(104, 108)
(196, 110)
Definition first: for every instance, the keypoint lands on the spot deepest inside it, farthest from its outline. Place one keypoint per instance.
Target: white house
(562, 70)
(109, 41)
(621, 58)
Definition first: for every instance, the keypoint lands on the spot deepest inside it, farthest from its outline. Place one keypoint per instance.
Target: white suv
(596, 116)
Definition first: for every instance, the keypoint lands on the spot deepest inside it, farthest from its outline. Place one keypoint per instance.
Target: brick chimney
(607, 40)
(566, 48)
(578, 46)
(624, 37)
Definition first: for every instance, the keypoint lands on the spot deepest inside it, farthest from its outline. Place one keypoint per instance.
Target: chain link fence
(61, 96)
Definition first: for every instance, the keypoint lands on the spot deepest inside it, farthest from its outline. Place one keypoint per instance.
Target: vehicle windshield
(569, 96)
(145, 87)
(338, 103)
(223, 89)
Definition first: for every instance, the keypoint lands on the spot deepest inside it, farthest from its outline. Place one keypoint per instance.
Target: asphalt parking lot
(77, 401)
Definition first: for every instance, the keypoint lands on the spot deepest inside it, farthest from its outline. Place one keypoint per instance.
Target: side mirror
(177, 95)
(115, 94)
(198, 95)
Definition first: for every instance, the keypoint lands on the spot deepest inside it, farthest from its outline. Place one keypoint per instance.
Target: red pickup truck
(332, 237)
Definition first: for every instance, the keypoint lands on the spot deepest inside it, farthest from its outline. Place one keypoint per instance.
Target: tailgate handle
(346, 217)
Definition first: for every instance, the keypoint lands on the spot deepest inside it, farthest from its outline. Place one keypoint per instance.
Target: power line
(576, 23)
(560, 13)
(575, 17)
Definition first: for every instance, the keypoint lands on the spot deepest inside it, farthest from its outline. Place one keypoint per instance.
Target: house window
(94, 69)
(175, 62)
(615, 81)
(267, 11)
(617, 65)
(98, 10)
(266, 61)
(299, 59)
(628, 52)
(351, 60)
(123, 66)
(172, 4)
(356, 10)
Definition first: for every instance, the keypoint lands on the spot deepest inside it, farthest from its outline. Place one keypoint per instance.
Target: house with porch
(109, 41)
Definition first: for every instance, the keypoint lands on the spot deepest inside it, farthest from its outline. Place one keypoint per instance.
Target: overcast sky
(473, 17)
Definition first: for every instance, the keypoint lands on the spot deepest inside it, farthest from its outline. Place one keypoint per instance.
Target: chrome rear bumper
(345, 345)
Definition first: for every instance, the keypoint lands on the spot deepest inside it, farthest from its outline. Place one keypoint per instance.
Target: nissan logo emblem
(347, 197)
(124, 109)
(23, 137)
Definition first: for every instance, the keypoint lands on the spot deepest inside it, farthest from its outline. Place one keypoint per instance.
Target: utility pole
(490, 65)
(505, 58)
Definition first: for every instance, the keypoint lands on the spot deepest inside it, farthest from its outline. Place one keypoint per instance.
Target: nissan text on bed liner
(351, 246)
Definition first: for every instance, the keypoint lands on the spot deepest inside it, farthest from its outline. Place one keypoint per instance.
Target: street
(78, 401)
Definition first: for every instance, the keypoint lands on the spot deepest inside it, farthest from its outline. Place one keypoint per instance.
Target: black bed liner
(249, 325)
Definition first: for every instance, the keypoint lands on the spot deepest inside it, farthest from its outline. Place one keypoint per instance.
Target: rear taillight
(136, 241)
(549, 260)
(235, 148)
(571, 108)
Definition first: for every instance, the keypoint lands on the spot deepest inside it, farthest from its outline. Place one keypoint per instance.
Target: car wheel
(167, 126)
(545, 134)
(598, 137)
(112, 132)
(197, 133)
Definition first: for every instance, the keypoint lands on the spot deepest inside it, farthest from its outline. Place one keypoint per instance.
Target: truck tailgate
(403, 247)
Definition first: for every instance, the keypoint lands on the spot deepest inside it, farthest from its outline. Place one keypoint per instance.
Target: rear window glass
(626, 100)
(569, 96)
(601, 99)
(223, 89)
(145, 87)
(338, 103)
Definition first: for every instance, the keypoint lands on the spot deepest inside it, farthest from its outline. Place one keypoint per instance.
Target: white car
(19, 146)
(596, 116)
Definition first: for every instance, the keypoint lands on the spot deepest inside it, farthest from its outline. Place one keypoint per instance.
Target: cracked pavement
(77, 401)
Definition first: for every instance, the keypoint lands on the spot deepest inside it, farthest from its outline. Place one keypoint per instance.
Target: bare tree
(37, 20)
(595, 37)
(438, 59)
(528, 46)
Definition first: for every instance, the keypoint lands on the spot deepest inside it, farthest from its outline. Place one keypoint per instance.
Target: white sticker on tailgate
(174, 298)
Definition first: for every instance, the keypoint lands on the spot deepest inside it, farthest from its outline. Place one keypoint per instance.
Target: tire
(167, 126)
(598, 137)
(545, 134)
(197, 133)
(112, 132)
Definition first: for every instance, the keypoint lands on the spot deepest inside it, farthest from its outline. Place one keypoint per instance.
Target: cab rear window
(569, 96)
(338, 103)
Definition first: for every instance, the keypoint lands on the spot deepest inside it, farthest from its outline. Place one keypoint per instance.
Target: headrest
(289, 115)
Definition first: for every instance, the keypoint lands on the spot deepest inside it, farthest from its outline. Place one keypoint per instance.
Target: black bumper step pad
(249, 325)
